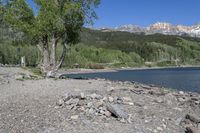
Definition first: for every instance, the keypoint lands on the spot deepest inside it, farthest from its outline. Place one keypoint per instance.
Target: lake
(186, 79)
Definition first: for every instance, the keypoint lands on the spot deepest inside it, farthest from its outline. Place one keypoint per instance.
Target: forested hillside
(98, 49)
(155, 47)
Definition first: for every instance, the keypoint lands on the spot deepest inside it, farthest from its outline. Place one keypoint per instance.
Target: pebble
(102, 112)
(155, 131)
(105, 99)
(181, 99)
(198, 126)
(123, 120)
(127, 99)
(145, 107)
(91, 111)
(107, 113)
(81, 103)
(159, 129)
(89, 104)
(130, 103)
(111, 99)
(95, 96)
(66, 97)
(164, 126)
(60, 102)
(158, 100)
(181, 92)
(98, 104)
(178, 109)
(74, 117)
(82, 96)
(197, 102)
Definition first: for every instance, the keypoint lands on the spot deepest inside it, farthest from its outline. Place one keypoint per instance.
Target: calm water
(187, 79)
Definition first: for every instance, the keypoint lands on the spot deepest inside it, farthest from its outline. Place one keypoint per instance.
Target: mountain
(131, 28)
(151, 47)
(159, 27)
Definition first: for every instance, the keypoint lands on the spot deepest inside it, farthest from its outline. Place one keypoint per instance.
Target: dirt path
(30, 107)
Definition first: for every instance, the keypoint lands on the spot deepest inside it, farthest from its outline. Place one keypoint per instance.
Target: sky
(113, 13)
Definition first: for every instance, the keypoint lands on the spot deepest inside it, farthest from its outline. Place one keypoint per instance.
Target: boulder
(192, 130)
(19, 77)
(72, 101)
(193, 118)
(116, 111)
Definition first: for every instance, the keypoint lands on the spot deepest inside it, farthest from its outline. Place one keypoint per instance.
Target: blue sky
(114, 13)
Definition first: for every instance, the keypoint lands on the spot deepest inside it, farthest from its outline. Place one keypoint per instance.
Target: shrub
(95, 66)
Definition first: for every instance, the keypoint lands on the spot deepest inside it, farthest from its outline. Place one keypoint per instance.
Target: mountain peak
(162, 28)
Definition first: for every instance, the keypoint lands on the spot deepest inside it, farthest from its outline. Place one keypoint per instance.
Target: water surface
(186, 79)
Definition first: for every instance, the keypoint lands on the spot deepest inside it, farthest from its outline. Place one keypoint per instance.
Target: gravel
(77, 106)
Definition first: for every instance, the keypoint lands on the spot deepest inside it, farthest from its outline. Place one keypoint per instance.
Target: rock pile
(96, 105)
(149, 108)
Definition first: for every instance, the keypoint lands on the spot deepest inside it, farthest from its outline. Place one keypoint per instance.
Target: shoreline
(83, 70)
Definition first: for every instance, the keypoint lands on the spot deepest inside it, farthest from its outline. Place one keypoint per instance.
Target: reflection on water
(187, 79)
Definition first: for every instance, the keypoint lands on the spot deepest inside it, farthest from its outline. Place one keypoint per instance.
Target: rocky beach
(31, 104)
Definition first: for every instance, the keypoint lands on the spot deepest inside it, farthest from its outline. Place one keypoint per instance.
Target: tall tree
(54, 21)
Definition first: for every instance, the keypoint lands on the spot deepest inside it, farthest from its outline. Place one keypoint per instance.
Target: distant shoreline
(83, 70)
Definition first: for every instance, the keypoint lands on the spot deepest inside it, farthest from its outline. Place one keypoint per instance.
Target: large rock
(193, 118)
(74, 95)
(19, 77)
(72, 101)
(192, 130)
(96, 96)
(116, 111)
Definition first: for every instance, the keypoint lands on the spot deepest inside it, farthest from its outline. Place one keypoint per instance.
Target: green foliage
(36, 71)
(54, 21)
(10, 54)
(105, 52)
(166, 63)
(86, 55)
(54, 18)
(19, 16)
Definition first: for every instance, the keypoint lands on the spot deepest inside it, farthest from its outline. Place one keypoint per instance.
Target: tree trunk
(62, 58)
(40, 60)
(53, 52)
(49, 63)
(46, 58)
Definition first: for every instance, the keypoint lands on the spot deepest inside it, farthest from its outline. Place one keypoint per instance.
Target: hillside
(155, 47)
(98, 49)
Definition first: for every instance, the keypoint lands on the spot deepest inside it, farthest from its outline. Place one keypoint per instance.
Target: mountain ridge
(159, 27)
